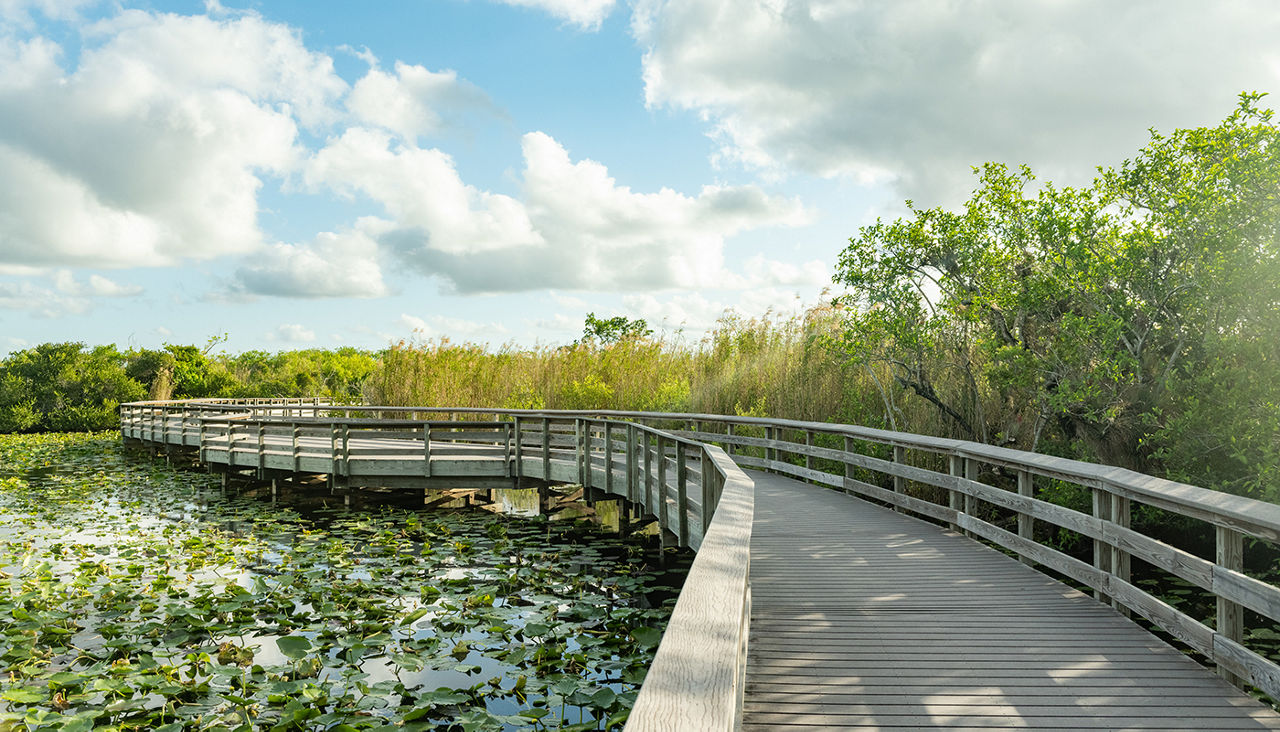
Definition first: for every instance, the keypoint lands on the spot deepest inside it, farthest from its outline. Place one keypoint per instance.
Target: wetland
(141, 596)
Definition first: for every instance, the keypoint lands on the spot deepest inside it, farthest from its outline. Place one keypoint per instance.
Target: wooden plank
(696, 679)
(1236, 587)
(1230, 618)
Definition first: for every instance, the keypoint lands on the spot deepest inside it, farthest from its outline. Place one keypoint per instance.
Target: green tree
(607, 331)
(62, 387)
(1085, 314)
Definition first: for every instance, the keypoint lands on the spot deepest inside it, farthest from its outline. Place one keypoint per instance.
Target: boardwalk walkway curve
(849, 623)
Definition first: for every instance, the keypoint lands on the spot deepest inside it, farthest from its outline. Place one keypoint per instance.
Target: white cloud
(22, 12)
(695, 313)
(568, 301)
(415, 101)
(65, 296)
(333, 265)
(97, 286)
(163, 332)
(558, 323)
(690, 311)
(917, 91)
(291, 333)
(436, 326)
(761, 272)
(153, 148)
(421, 190)
(578, 228)
(586, 14)
(41, 302)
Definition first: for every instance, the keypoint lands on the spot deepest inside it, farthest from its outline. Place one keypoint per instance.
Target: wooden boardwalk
(862, 618)
(809, 608)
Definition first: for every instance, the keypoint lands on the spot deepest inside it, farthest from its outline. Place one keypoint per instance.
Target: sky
(310, 174)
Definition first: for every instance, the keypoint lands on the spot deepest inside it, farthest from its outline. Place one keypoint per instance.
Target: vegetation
(1134, 321)
(139, 597)
(68, 387)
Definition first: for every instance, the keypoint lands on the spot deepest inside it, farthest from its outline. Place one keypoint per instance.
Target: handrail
(790, 447)
(697, 677)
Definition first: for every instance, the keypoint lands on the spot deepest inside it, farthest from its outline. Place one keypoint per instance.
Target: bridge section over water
(890, 602)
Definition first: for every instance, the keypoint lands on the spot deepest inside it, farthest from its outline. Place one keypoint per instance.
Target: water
(141, 596)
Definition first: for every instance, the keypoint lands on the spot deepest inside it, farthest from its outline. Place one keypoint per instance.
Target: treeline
(68, 387)
(1133, 322)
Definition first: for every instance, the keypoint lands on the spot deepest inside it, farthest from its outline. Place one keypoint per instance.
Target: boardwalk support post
(546, 449)
(1026, 524)
(682, 493)
(956, 469)
(899, 482)
(1101, 550)
(1230, 555)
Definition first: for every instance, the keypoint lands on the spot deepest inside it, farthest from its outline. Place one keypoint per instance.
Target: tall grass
(775, 366)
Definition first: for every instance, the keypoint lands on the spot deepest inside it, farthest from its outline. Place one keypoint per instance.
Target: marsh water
(140, 596)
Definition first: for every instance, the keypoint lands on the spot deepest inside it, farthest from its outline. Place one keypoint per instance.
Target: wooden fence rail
(693, 490)
(681, 468)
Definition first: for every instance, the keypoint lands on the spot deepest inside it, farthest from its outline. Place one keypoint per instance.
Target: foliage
(777, 365)
(140, 598)
(60, 386)
(1127, 322)
(611, 330)
(63, 386)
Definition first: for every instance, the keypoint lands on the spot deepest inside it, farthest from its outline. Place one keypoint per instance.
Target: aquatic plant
(136, 596)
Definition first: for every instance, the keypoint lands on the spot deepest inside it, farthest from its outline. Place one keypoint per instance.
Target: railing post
(956, 468)
(1101, 550)
(770, 454)
(608, 457)
(1026, 524)
(203, 451)
(971, 470)
(647, 458)
(426, 449)
(579, 427)
(664, 516)
(1121, 564)
(899, 482)
(519, 450)
(728, 443)
(682, 493)
(808, 459)
(346, 449)
(297, 448)
(631, 462)
(1230, 625)
(262, 448)
(707, 509)
(333, 451)
(546, 449)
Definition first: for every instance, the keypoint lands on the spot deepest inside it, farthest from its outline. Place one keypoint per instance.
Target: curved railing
(837, 456)
(695, 491)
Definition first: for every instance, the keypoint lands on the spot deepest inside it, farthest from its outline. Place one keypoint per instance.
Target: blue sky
(306, 174)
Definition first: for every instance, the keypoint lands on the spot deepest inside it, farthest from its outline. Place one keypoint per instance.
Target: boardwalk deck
(863, 618)
(857, 617)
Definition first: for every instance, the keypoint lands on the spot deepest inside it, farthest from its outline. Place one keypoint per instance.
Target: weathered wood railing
(695, 491)
(971, 505)
(903, 476)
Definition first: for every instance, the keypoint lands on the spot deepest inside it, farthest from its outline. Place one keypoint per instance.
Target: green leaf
(29, 695)
(647, 637)
(293, 646)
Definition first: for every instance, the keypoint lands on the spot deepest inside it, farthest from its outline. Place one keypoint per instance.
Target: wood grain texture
(694, 682)
(867, 619)
(859, 618)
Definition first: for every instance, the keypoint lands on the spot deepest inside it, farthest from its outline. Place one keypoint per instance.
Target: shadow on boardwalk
(863, 618)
